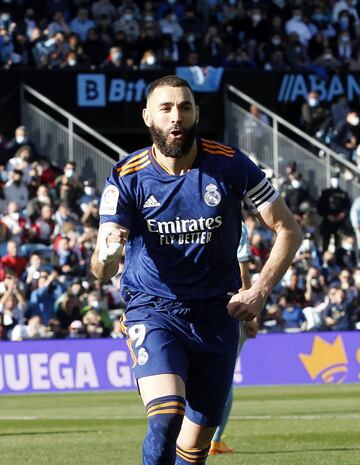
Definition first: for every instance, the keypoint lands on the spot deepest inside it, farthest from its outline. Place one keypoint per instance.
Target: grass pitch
(302, 425)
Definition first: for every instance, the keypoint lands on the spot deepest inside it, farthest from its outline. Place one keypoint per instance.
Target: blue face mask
(318, 17)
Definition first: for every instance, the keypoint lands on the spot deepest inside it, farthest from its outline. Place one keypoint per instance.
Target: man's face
(172, 118)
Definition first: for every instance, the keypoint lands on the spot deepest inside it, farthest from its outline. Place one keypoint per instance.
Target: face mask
(191, 38)
(128, 17)
(276, 42)
(296, 183)
(171, 2)
(148, 19)
(89, 191)
(116, 56)
(72, 62)
(95, 304)
(43, 198)
(15, 215)
(357, 280)
(20, 139)
(354, 121)
(173, 18)
(318, 17)
(347, 246)
(334, 182)
(150, 60)
(328, 56)
(5, 17)
(297, 17)
(313, 102)
(345, 39)
(344, 21)
(256, 18)
(69, 173)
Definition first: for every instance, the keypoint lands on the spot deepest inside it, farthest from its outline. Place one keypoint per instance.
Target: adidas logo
(151, 202)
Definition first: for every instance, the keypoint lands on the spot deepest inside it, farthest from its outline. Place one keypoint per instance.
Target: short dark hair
(169, 80)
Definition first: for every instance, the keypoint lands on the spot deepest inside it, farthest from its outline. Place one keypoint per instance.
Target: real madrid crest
(212, 196)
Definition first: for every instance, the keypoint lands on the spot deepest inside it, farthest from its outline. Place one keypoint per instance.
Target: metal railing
(276, 143)
(61, 137)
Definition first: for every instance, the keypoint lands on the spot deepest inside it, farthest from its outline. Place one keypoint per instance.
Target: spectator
(93, 325)
(272, 321)
(35, 204)
(256, 32)
(105, 31)
(76, 330)
(12, 306)
(15, 190)
(292, 315)
(316, 118)
(81, 24)
(64, 259)
(292, 292)
(149, 61)
(35, 329)
(327, 60)
(295, 52)
(95, 305)
(128, 25)
(298, 26)
(58, 24)
(13, 260)
(169, 25)
(70, 179)
(42, 300)
(16, 224)
(115, 59)
(42, 228)
(67, 309)
(297, 195)
(347, 136)
(315, 287)
(20, 139)
(21, 162)
(338, 313)
(345, 255)
(333, 206)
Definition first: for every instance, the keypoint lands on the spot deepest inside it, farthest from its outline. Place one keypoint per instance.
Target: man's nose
(175, 115)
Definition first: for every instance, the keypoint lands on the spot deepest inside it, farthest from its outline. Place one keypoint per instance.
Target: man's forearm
(282, 254)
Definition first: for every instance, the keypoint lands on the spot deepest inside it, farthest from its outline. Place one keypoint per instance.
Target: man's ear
(197, 114)
(146, 117)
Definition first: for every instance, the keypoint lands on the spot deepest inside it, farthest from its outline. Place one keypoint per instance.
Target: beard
(178, 148)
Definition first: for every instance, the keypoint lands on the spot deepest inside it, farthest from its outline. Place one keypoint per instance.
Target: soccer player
(246, 329)
(177, 204)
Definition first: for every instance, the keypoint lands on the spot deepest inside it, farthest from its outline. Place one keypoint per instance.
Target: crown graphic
(327, 360)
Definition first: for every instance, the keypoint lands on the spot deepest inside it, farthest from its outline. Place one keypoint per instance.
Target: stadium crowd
(151, 34)
(48, 226)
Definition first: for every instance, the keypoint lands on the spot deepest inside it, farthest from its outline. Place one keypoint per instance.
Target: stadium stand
(51, 215)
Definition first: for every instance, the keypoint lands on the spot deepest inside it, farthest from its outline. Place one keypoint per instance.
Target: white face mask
(15, 215)
(256, 18)
(296, 183)
(334, 182)
(347, 246)
(68, 173)
(43, 198)
(150, 60)
(313, 102)
(20, 139)
(354, 121)
(72, 62)
(89, 191)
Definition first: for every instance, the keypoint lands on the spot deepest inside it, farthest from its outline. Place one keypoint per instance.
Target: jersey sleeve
(257, 191)
(116, 203)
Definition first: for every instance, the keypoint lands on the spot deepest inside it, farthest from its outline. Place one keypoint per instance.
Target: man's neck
(176, 166)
